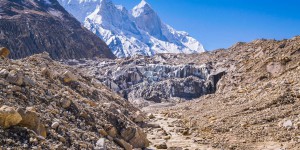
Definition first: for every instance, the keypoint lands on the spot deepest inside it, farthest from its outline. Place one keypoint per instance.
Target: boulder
(31, 120)
(3, 73)
(136, 137)
(4, 52)
(162, 145)
(28, 81)
(150, 116)
(123, 144)
(54, 125)
(112, 132)
(15, 77)
(287, 124)
(275, 68)
(9, 117)
(47, 73)
(103, 132)
(101, 145)
(69, 77)
(138, 117)
(65, 103)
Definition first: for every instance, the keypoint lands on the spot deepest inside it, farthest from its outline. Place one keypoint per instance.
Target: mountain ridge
(130, 33)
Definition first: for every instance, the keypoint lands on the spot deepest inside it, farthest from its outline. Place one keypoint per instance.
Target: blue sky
(222, 23)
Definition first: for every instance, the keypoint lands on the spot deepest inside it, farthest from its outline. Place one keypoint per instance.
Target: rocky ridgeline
(46, 105)
(144, 80)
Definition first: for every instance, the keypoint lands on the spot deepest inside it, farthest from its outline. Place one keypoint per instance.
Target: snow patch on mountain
(136, 32)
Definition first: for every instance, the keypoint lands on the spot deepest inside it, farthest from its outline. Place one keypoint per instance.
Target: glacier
(139, 31)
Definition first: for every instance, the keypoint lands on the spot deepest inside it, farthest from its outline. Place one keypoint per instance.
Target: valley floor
(167, 132)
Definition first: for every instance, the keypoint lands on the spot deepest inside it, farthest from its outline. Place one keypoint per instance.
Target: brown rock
(69, 77)
(139, 117)
(167, 137)
(31, 120)
(9, 117)
(4, 52)
(123, 144)
(103, 132)
(161, 145)
(151, 116)
(136, 137)
(66, 103)
(111, 131)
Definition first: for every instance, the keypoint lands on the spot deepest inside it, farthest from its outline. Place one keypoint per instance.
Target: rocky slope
(128, 33)
(33, 26)
(47, 105)
(256, 105)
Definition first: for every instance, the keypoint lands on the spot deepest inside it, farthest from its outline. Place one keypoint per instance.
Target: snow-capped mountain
(127, 33)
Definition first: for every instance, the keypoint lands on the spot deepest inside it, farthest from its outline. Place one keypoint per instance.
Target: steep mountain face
(28, 27)
(128, 33)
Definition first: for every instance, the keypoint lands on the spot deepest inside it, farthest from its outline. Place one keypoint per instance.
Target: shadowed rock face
(30, 26)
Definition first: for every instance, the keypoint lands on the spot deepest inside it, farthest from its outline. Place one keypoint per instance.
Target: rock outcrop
(47, 105)
(34, 26)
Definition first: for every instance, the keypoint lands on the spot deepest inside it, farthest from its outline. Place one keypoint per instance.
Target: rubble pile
(47, 105)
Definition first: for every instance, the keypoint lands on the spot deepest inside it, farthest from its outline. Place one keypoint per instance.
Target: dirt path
(166, 133)
(172, 135)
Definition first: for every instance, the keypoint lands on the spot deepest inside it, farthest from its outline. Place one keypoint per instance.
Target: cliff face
(29, 27)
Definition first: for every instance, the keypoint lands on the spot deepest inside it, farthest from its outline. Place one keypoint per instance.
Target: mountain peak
(138, 32)
(143, 3)
(105, 1)
(141, 8)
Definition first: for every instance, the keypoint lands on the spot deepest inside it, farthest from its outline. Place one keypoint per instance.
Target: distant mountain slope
(34, 26)
(127, 33)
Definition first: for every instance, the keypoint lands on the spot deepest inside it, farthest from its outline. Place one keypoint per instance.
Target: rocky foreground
(46, 105)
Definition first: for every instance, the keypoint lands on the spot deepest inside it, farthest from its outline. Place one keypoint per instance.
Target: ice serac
(127, 33)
